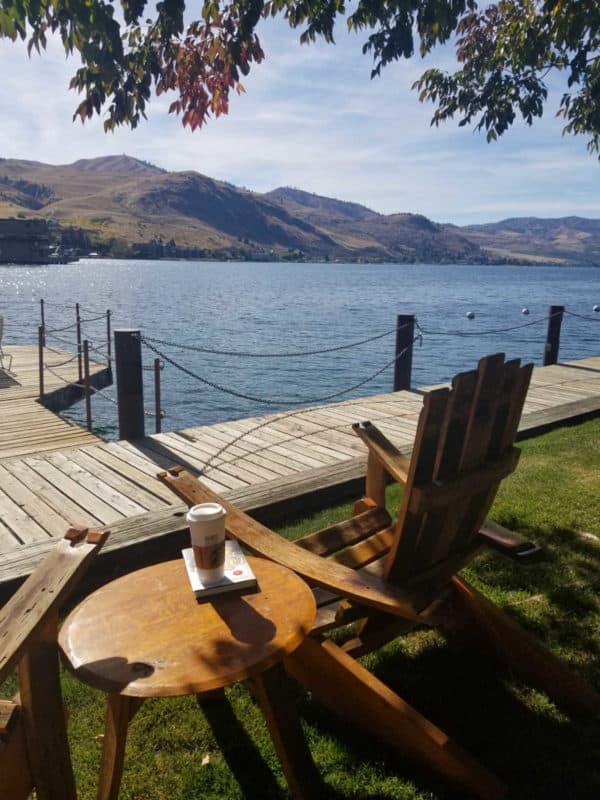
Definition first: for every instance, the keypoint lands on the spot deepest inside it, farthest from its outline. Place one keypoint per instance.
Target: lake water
(282, 308)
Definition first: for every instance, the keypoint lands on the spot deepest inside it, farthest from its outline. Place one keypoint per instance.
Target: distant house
(24, 241)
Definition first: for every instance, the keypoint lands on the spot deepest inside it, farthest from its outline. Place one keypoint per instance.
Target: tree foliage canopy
(506, 52)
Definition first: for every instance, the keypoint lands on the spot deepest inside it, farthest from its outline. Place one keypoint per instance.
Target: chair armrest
(367, 589)
(44, 592)
(395, 462)
(509, 543)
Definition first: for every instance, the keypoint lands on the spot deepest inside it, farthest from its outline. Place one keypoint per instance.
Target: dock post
(130, 385)
(157, 404)
(555, 317)
(43, 322)
(41, 361)
(78, 324)
(108, 339)
(405, 334)
(87, 385)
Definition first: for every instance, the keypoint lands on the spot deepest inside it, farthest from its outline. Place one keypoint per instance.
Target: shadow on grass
(563, 595)
(237, 748)
(241, 754)
(512, 730)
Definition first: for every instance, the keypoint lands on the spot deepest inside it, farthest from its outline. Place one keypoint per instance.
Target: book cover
(238, 573)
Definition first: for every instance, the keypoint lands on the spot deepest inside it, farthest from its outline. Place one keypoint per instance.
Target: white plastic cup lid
(205, 512)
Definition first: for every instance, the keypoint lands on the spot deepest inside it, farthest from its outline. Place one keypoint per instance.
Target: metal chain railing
(289, 354)
(490, 332)
(581, 316)
(272, 401)
(93, 389)
(62, 363)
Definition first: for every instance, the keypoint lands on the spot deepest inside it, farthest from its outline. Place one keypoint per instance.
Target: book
(238, 573)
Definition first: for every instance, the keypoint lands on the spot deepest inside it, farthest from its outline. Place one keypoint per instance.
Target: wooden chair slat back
(510, 407)
(401, 558)
(452, 437)
(462, 433)
(485, 401)
(439, 526)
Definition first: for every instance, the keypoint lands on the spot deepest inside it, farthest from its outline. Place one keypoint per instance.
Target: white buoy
(596, 308)
(525, 310)
(470, 315)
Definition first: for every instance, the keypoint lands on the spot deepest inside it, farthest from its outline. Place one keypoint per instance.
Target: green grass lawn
(554, 498)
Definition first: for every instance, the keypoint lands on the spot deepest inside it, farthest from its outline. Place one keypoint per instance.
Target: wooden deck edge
(64, 397)
(536, 422)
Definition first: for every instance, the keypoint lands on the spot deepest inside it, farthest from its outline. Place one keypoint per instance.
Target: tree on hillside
(506, 52)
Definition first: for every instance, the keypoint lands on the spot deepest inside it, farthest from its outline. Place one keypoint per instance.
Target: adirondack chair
(392, 577)
(34, 751)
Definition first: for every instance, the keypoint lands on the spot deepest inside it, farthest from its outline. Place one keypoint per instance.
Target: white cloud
(312, 118)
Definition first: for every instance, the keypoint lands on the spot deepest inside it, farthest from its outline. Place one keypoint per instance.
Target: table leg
(271, 693)
(120, 710)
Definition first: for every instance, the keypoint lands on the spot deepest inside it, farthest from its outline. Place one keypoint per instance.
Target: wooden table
(145, 635)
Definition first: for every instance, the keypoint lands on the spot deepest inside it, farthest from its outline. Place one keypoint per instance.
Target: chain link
(61, 330)
(280, 401)
(92, 319)
(62, 339)
(81, 386)
(581, 316)
(93, 311)
(292, 354)
(484, 333)
(61, 363)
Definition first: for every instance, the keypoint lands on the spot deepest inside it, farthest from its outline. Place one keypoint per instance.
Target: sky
(313, 119)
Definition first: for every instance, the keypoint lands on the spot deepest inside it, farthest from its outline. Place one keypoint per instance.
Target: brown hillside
(129, 203)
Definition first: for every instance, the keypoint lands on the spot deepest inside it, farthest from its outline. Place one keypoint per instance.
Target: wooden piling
(87, 384)
(41, 361)
(43, 322)
(157, 408)
(130, 385)
(555, 317)
(108, 338)
(79, 352)
(405, 334)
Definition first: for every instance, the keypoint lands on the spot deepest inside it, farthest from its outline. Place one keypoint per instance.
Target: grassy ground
(554, 497)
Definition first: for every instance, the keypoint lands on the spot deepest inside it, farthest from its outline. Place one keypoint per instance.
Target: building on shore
(24, 241)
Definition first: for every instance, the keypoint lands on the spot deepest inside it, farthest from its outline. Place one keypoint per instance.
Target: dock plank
(32, 504)
(59, 502)
(26, 426)
(18, 521)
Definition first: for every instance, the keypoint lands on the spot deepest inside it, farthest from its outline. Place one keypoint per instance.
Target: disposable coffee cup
(207, 530)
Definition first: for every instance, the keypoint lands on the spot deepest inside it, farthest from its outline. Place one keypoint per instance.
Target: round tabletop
(146, 635)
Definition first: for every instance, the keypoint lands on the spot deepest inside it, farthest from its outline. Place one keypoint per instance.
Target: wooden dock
(260, 463)
(26, 426)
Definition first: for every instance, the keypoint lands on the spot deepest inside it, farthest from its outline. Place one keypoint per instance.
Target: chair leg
(349, 690)
(44, 717)
(271, 694)
(469, 612)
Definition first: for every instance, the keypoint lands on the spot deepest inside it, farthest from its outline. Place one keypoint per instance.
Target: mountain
(125, 206)
(318, 207)
(565, 240)
(369, 235)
